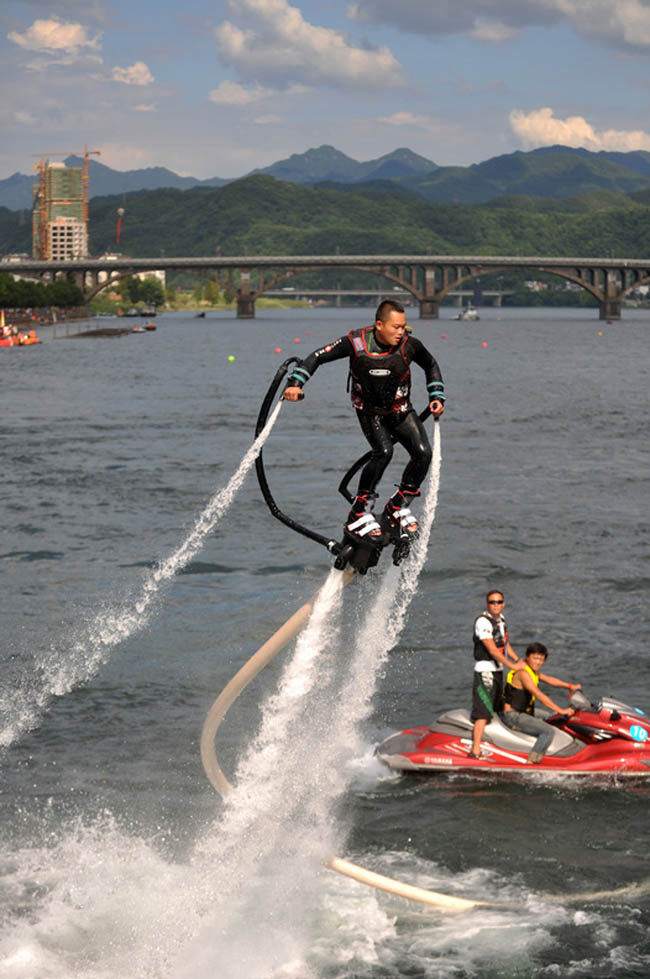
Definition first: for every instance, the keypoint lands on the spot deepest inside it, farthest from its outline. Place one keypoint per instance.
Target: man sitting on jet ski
(380, 358)
(521, 691)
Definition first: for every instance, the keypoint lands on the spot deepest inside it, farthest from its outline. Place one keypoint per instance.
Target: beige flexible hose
(213, 769)
(240, 681)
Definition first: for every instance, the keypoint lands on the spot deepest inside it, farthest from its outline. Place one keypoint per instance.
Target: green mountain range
(324, 163)
(328, 164)
(550, 172)
(261, 215)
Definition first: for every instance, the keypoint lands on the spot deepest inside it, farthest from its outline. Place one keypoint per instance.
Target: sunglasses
(496, 601)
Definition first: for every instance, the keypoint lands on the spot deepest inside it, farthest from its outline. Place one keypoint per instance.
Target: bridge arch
(267, 285)
(560, 273)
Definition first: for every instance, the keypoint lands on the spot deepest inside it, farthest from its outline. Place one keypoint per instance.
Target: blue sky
(218, 88)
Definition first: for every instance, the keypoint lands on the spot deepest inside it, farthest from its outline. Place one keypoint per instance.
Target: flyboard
(350, 557)
(353, 552)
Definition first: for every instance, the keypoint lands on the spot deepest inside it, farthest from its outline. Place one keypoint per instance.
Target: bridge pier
(610, 304)
(245, 299)
(429, 308)
(245, 308)
(610, 309)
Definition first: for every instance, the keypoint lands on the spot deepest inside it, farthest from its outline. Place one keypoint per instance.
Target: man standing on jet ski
(380, 358)
(492, 651)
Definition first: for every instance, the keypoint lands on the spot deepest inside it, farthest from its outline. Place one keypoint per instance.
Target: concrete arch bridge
(428, 278)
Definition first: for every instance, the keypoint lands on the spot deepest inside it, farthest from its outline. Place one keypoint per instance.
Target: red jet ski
(605, 738)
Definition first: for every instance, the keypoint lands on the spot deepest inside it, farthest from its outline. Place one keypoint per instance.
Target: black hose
(333, 546)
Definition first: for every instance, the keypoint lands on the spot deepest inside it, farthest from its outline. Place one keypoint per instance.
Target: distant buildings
(60, 215)
(149, 274)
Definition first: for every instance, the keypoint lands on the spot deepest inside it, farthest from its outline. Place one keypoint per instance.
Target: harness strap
(405, 517)
(366, 524)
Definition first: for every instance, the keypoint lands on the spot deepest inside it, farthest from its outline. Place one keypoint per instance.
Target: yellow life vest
(521, 699)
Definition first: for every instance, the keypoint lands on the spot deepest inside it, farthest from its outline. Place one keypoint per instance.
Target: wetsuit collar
(384, 347)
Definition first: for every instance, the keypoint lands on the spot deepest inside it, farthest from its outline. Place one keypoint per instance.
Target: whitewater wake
(280, 822)
(60, 670)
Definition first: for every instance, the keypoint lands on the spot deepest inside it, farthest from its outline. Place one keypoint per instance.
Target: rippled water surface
(117, 857)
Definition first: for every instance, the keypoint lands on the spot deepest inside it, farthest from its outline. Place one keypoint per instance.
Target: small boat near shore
(469, 313)
(11, 336)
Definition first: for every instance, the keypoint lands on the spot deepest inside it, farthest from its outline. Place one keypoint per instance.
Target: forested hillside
(261, 215)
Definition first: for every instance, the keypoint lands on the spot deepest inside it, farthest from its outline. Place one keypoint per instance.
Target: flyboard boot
(363, 537)
(400, 523)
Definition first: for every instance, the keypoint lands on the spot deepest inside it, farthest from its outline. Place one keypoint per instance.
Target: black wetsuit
(381, 389)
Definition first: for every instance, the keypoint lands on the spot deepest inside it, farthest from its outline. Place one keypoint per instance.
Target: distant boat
(148, 311)
(150, 326)
(468, 313)
(132, 312)
(138, 329)
(200, 316)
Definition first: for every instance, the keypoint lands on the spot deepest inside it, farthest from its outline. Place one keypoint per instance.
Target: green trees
(28, 294)
(259, 215)
(149, 290)
(152, 292)
(211, 292)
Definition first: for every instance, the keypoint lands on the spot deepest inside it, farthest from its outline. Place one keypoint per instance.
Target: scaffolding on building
(60, 211)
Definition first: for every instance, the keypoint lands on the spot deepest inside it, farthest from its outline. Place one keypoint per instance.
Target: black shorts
(487, 694)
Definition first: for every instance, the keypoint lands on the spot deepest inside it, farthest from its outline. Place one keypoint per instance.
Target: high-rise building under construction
(60, 215)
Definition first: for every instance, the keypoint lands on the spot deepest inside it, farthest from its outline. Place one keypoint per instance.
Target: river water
(117, 857)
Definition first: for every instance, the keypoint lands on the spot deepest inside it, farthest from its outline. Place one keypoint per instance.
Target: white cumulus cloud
(541, 128)
(55, 37)
(282, 47)
(136, 74)
(232, 93)
(406, 119)
(624, 23)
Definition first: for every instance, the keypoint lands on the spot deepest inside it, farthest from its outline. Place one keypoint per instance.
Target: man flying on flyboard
(380, 358)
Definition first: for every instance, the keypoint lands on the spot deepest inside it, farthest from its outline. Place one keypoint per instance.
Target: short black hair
(494, 591)
(537, 647)
(386, 307)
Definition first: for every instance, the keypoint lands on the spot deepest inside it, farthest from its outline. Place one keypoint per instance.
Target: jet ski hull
(607, 741)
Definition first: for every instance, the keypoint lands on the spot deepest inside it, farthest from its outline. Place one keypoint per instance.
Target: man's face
(536, 661)
(495, 603)
(391, 331)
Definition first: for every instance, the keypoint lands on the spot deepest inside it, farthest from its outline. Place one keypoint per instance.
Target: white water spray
(263, 825)
(279, 824)
(385, 620)
(60, 670)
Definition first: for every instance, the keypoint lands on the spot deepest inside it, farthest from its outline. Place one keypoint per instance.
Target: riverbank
(46, 316)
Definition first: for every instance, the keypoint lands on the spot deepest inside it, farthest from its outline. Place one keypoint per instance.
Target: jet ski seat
(457, 722)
